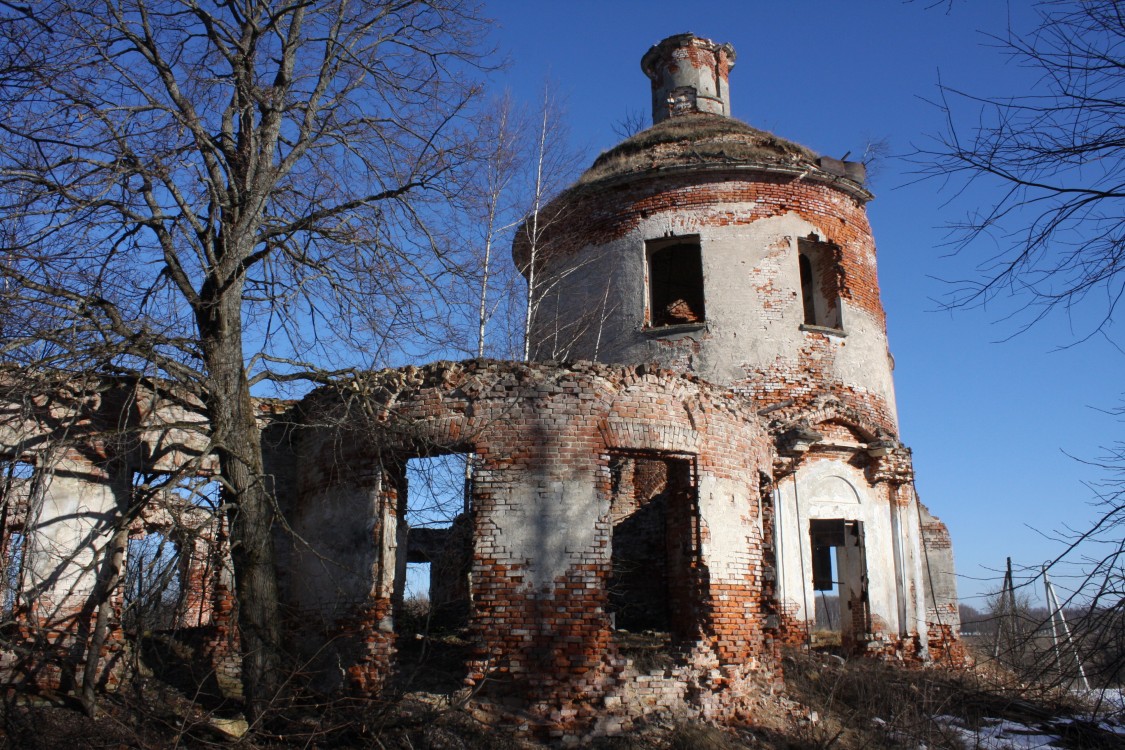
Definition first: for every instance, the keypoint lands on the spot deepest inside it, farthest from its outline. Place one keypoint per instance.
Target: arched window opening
(152, 587)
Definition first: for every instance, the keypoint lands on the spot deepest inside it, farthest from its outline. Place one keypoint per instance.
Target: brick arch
(672, 420)
(827, 410)
(463, 405)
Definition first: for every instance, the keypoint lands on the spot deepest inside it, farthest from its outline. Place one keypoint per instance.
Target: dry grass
(694, 139)
(865, 703)
(859, 703)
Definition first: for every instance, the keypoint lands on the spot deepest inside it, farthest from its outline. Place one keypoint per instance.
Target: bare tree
(553, 163)
(630, 123)
(1051, 163)
(226, 195)
(1091, 571)
(526, 157)
(492, 204)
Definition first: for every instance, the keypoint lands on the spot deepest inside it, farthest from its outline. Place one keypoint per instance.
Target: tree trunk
(249, 502)
(109, 578)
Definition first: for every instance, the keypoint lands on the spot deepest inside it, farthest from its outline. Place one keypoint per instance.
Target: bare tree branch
(228, 194)
(1050, 164)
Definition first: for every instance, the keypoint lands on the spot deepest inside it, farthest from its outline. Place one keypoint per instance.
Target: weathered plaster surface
(740, 430)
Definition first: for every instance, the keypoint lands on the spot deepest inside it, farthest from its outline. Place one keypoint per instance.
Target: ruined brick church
(644, 525)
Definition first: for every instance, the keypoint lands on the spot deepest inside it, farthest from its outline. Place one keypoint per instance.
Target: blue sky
(991, 418)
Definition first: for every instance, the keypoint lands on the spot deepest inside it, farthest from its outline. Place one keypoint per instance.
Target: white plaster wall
(16, 431)
(833, 489)
(173, 434)
(732, 523)
(547, 526)
(752, 298)
(336, 550)
(176, 435)
(67, 532)
(913, 562)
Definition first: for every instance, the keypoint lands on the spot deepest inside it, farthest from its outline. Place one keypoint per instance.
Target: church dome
(698, 140)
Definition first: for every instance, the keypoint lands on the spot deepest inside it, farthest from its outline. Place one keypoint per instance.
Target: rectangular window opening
(653, 589)
(819, 273)
(13, 573)
(203, 492)
(152, 586)
(16, 479)
(437, 490)
(169, 490)
(433, 587)
(434, 500)
(175, 557)
(18, 471)
(675, 282)
(416, 591)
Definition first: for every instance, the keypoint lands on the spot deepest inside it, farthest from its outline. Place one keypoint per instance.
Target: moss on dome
(696, 139)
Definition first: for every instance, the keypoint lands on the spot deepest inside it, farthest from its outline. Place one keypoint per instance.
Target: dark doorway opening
(654, 584)
(839, 565)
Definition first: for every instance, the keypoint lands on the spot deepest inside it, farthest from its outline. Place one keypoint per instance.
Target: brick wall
(599, 214)
(543, 515)
(565, 456)
(753, 339)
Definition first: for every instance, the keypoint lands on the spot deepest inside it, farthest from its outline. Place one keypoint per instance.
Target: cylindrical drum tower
(712, 247)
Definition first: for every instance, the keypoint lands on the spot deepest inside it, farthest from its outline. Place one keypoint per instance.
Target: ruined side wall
(341, 558)
(748, 224)
(543, 437)
(939, 580)
(87, 441)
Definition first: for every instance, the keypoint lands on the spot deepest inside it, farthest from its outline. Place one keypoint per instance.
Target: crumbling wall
(546, 440)
(748, 224)
(604, 500)
(88, 441)
(940, 584)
